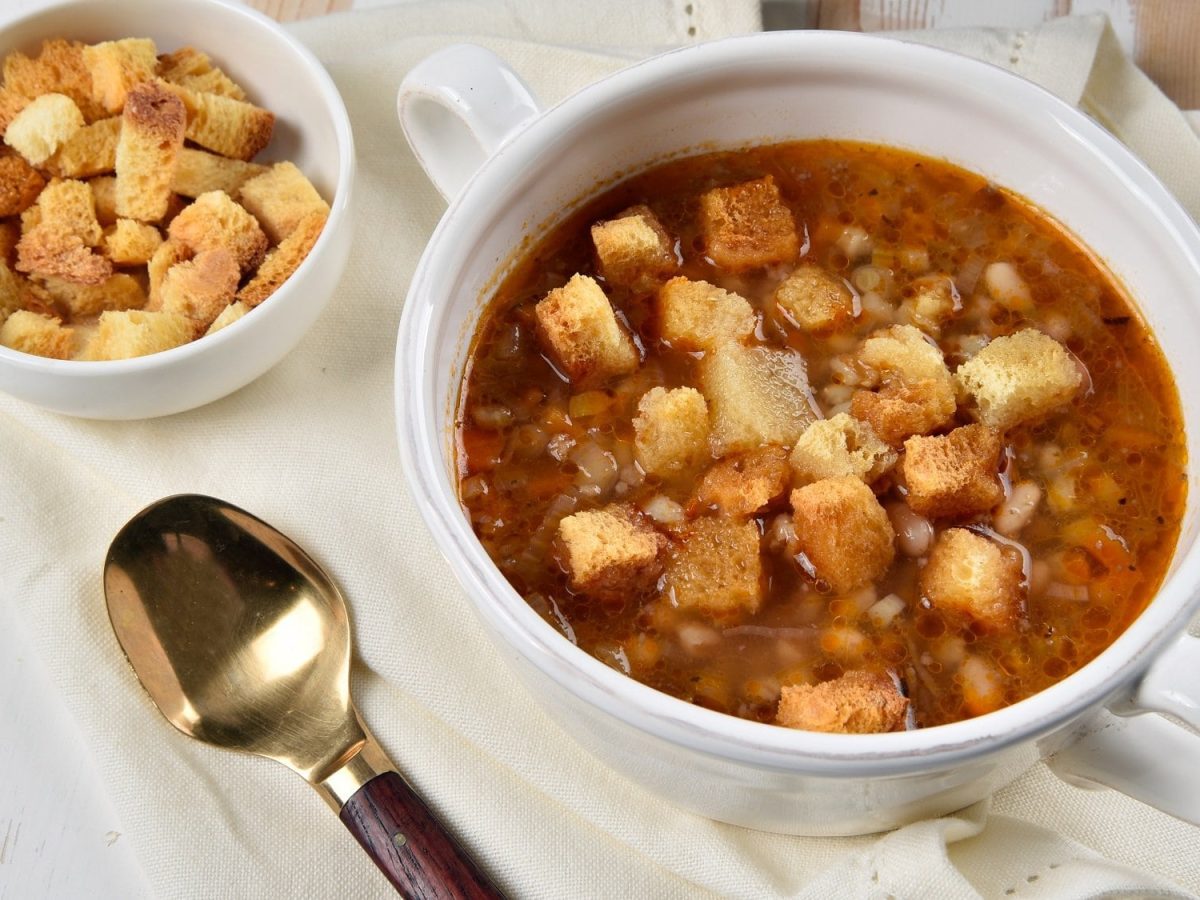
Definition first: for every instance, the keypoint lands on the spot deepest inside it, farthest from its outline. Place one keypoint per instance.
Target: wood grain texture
(291, 10)
(409, 844)
(1162, 35)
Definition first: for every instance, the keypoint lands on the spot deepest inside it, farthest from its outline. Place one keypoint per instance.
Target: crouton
(228, 316)
(755, 396)
(215, 220)
(857, 703)
(715, 567)
(917, 393)
(634, 249)
(610, 553)
(695, 315)
(10, 233)
(130, 243)
(954, 474)
(200, 288)
(932, 301)
(43, 126)
(815, 301)
(92, 150)
(117, 67)
(20, 185)
(226, 126)
(746, 484)
(841, 447)
(1019, 378)
(12, 290)
(198, 172)
(61, 229)
(843, 531)
(121, 291)
(746, 226)
(281, 262)
(168, 254)
(135, 332)
(579, 330)
(40, 335)
(671, 431)
(192, 69)
(970, 576)
(104, 195)
(280, 199)
(59, 68)
(148, 151)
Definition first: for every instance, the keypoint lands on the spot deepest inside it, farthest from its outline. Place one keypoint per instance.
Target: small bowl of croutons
(174, 203)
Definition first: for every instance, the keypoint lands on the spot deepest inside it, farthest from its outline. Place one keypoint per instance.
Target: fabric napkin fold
(310, 447)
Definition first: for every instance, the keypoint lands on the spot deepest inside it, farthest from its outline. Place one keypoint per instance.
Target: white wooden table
(59, 834)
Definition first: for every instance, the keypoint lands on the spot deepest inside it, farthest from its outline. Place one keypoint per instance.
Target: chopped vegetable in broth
(824, 434)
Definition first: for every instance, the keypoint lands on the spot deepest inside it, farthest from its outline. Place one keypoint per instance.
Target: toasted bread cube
(215, 220)
(579, 330)
(43, 126)
(841, 447)
(20, 184)
(954, 474)
(12, 291)
(695, 315)
(281, 198)
(58, 234)
(755, 396)
(118, 67)
(634, 249)
(815, 301)
(970, 576)
(200, 288)
(192, 69)
(1019, 378)
(746, 484)
(148, 151)
(59, 68)
(92, 150)
(610, 553)
(228, 316)
(899, 410)
(843, 531)
(10, 234)
(70, 206)
(135, 332)
(40, 335)
(281, 262)
(104, 195)
(199, 172)
(934, 300)
(746, 226)
(714, 566)
(671, 431)
(121, 291)
(130, 243)
(226, 126)
(903, 353)
(857, 703)
(167, 255)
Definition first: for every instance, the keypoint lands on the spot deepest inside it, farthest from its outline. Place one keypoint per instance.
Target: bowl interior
(772, 88)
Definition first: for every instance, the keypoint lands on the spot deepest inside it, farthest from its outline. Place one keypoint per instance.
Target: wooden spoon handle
(410, 846)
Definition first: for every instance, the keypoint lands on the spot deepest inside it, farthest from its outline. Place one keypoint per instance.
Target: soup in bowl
(801, 378)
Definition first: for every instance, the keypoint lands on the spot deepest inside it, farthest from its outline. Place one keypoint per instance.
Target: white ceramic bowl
(311, 129)
(768, 88)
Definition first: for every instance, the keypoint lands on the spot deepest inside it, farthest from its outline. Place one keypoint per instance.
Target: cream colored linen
(310, 447)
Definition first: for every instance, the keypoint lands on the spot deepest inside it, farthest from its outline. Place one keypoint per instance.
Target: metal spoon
(242, 641)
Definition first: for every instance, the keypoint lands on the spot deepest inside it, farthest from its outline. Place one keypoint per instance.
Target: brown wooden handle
(410, 846)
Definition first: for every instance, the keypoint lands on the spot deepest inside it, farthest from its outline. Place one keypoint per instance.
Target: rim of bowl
(661, 715)
(332, 100)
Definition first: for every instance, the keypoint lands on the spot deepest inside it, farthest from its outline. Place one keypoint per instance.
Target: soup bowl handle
(457, 107)
(1146, 756)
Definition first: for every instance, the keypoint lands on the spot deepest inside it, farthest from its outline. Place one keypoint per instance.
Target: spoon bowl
(243, 642)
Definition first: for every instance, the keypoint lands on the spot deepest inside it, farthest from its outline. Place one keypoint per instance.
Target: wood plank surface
(291, 10)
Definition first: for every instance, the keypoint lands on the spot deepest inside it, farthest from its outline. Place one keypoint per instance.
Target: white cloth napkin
(310, 447)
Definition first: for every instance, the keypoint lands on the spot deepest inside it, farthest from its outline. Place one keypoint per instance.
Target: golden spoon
(242, 641)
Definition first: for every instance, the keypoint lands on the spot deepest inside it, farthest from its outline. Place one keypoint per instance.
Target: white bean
(885, 610)
(697, 639)
(1017, 511)
(1007, 287)
(663, 510)
(914, 533)
(854, 242)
